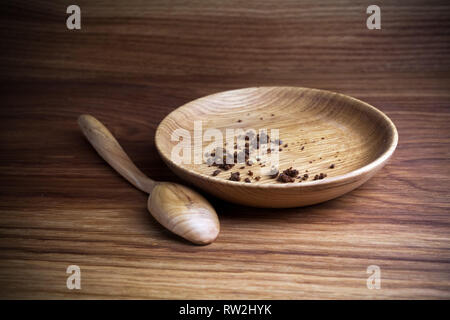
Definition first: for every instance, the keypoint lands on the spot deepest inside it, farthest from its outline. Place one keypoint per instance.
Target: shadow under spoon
(178, 208)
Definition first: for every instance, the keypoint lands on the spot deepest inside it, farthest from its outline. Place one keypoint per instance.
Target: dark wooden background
(135, 61)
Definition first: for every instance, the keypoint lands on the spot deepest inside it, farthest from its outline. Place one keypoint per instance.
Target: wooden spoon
(178, 208)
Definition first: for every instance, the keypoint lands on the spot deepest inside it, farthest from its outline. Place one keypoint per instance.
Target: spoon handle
(110, 150)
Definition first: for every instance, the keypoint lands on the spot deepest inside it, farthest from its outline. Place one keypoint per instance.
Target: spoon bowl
(198, 221)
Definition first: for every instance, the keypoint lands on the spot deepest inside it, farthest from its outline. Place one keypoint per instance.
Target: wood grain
(132, 63)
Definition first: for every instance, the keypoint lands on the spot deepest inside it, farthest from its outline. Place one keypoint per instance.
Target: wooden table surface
(132, 63)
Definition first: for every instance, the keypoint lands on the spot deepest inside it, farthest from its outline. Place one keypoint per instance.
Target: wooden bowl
(322, 129)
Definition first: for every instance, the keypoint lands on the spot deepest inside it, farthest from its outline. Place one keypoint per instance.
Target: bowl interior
(321, 131)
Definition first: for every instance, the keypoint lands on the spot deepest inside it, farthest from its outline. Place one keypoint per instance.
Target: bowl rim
(323, 182)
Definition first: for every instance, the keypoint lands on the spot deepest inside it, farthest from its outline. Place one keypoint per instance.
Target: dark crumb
(274, 175)
(285, 178)
(286, 145)
(235, 176)
(303, 148)
(306, 170)
(243, 167)
(249, 162)
(320, 176)
(263, 165)
(226, 166)
(272, 114)
(257, 159)
(332, 166)
(216, 172)
(250, 173)
(268, 150)
(247, 180)
(257, 178)
(239, 120)
(322, 138)
(291, 172)
(261, 118)
(310, 162)
(280, 149)
(320, 158)
(305, 177)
